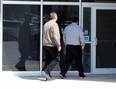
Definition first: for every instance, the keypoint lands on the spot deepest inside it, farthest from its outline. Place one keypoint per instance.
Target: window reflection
(21, 37)
(65, 14)
(87, 58)
(87, 22)
(64, 0)
(21, 0)
(98, 0)
(106, 35)
(45, 0)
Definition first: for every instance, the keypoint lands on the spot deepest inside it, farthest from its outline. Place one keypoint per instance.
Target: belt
(50, 45)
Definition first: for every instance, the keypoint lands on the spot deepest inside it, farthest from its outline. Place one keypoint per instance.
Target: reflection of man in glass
(24, 40)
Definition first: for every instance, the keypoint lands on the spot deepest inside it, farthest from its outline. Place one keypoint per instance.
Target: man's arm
(82, 40)
(82, 47)
(59, 48)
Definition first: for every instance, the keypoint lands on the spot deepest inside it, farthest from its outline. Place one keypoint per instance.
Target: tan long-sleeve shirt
(51, 35)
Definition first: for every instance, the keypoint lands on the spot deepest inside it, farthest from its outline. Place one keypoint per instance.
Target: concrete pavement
(71, 82)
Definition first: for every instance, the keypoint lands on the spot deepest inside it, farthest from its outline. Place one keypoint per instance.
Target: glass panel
(45, 0)
(87, 22)
(21, 0)
(106, 34)
(98, 0)
(87, 58)
(64, 18)
(21, 37)
(64, 0)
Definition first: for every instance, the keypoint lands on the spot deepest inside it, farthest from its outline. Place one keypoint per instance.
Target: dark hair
(75, 19)
(52, 15)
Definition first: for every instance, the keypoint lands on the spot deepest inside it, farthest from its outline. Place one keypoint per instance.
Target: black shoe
(46, 75)
(82, 77)
(21, 68)
(63, 77)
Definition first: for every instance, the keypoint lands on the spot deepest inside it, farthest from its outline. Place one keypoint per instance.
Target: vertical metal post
(80, 13)
(41, 32)
(1, 33)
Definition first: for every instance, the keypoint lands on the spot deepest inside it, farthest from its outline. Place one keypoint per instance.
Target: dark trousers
(73, 52)
(51, 58)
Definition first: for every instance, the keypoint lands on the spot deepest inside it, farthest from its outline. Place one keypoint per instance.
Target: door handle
(94, 41)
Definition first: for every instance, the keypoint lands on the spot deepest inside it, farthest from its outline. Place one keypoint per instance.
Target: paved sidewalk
(71, 82)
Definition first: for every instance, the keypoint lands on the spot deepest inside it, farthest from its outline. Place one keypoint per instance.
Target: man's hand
(59, 48)
(82, 47)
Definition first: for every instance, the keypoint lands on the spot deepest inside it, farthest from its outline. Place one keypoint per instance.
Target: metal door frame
(94, 43)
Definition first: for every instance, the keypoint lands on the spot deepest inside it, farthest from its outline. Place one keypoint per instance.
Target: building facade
(96, 17)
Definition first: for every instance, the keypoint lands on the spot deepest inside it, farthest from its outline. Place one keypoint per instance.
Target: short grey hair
(52, 15)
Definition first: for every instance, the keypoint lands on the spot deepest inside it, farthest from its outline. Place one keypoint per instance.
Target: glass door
(104, 40)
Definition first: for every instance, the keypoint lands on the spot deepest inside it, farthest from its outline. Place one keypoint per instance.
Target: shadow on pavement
(93, 78)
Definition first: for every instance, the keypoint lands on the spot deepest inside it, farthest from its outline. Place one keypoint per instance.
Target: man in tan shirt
(51, 44)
